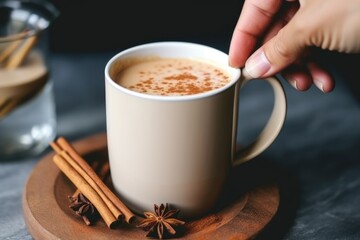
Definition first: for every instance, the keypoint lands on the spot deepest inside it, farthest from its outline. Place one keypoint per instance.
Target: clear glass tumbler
(27, 107)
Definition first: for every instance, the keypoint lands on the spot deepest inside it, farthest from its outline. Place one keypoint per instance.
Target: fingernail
(257, 65)
(319, 85)
(292, 83)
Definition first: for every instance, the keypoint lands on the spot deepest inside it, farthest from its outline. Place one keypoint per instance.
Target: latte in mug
(178, 148)
(169, 76)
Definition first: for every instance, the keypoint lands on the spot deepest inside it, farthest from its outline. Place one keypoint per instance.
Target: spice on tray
(89, 184)
(80, 204)
(84, 208)
(161, 223)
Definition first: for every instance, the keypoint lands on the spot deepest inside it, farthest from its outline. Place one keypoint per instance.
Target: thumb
(276, 54)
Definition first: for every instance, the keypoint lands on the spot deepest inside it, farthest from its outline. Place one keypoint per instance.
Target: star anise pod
(161, 223)
(84, 208)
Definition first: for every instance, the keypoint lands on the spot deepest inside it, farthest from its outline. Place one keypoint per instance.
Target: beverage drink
(169, 76)
(171, 116)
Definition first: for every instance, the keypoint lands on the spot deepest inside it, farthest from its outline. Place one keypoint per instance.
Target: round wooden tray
(242, 212)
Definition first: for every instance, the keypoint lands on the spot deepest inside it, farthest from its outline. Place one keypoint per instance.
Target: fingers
(247, 31)
(298, 76)
(285, 14)
(301, 77)
(283, 49)
(281, 27)
(321, 78)
(241, 46)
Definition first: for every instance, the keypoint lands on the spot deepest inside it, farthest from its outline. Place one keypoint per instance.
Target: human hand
(289, 31)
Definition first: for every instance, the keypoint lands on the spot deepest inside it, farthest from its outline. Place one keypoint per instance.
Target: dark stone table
(315, 159)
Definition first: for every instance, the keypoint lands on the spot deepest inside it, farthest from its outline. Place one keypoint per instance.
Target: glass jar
(27, 107)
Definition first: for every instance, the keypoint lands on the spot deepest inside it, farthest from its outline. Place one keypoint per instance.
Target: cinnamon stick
(99, 168)
(86, 189)
(84, 165)
(79, 204)
(95, 185)
(9, 50)
(104, 171)
(69, 154)
(20, 54)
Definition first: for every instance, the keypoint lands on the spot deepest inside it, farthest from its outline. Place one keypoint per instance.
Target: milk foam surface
(172, 77)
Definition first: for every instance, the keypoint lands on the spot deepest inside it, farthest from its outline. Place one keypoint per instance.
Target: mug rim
(235, 75)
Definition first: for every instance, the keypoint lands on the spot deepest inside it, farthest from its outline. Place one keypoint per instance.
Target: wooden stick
(86, 189)
(20, 54)
(9, 50)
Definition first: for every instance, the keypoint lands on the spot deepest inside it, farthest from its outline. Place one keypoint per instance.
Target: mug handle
(272, 127)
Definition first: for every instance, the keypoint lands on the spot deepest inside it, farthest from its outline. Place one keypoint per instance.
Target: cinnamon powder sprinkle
(174, 77)
(182, 76)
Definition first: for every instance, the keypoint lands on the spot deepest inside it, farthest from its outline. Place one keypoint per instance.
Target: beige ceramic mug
(179, 149)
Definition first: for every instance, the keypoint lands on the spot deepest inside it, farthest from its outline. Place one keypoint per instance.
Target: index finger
(255, 17)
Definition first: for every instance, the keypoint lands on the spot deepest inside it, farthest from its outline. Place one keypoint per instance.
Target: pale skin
(278, 36)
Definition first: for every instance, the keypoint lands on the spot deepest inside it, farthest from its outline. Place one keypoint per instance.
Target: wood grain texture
(48, 216)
